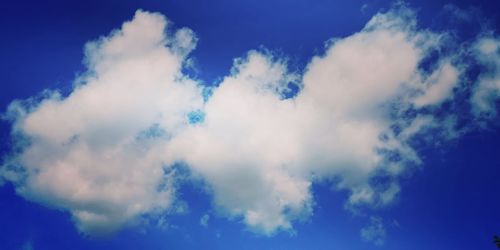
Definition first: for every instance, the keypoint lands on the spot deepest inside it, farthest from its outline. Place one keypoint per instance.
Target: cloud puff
(245, 146)
(98, 151)
(105, 152)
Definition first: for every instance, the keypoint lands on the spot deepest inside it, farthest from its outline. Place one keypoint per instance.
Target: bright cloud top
(106, 152)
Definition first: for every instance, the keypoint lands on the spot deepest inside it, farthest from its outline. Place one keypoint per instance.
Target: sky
(276, 124)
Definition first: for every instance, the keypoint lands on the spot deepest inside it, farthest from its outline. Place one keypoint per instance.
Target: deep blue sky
(450, 202)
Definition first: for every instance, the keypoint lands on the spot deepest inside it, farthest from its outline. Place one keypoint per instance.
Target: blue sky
(330, 125)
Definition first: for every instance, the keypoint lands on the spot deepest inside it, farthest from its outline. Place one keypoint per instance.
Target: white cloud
(104, 153)
(439, 86)
(98, 152)
(259, 154)
(242, 147)
(487, 50)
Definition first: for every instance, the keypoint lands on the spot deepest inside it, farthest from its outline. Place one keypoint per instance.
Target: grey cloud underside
(105, 153)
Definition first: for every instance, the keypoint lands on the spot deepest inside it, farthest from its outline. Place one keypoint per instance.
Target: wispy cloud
(374, 232)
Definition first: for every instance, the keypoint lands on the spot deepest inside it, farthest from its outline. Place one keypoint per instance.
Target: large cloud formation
(106, 151)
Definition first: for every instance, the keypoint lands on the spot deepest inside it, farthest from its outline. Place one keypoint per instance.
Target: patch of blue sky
(196, 116)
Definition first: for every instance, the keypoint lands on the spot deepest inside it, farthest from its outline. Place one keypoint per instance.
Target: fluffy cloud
(98, 151)
(247, 144)
(105, 152)
(260, 153)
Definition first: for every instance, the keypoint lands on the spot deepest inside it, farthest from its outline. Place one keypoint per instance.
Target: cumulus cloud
(260, 153)
(98, 151)
(105, 151)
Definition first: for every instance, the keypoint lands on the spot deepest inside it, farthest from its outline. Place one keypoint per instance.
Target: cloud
(241, 147)
(487, 51)
(98, 151)
(105, 152)
(259, 153)
(374, 232)
(439, 86)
